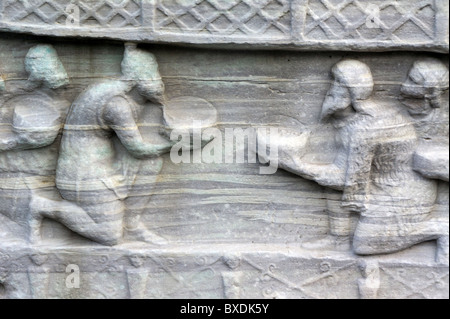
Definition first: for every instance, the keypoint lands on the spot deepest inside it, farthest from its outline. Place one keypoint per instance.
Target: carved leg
(340, 223)
(102, 223)
(379, 235)
(136, 230)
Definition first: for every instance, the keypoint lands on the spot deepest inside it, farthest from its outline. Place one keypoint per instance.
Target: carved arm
(119, 116)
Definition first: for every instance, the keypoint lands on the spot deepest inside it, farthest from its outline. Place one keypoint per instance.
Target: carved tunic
(30, 128)
(87, 162)
(393, 199)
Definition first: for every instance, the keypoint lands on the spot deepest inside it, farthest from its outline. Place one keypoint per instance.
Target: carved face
(141, 66)
(411, 87)
(426, 83)
(413, 97)
(337, 101)
(369, 268)
(38, 259)
(153, 90)
(43, 65)
(232, 261)
(137, 260)
(416, 106)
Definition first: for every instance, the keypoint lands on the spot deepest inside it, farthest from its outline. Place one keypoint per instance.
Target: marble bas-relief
(91, 182)
(91, 191)
(374, 167)
(287, 24)
(99, 197)
(31, 125)
(422, 93)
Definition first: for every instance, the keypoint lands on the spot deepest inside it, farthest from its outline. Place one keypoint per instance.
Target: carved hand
(160, 149)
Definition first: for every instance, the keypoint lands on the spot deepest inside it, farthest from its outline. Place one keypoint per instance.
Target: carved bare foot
(329, 242)
(141, 233)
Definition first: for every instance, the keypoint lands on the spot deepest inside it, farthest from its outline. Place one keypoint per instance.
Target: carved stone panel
(133, 168)
(295, 24)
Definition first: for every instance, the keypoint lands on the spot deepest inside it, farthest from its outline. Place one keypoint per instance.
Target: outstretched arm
(329, 175)
(119, 116)
(286, 150)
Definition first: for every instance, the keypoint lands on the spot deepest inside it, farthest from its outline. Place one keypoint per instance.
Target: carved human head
(427, 81)
(233, 261)
(352, 82)
(43, 65)
(137, 260)
(369, 268)
(39, 258)
(141, 67)
(356, 76)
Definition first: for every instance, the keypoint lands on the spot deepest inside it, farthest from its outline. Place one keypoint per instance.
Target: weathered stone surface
(218, 271)
(287, 24)
(105, 179)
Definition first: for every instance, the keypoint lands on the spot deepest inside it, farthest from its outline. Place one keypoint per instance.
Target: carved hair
(356, 76)
(138, 64)
(43, 65)
(432, 75)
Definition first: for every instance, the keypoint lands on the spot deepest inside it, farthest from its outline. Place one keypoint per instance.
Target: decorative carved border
(292, 24)
(242, 274)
